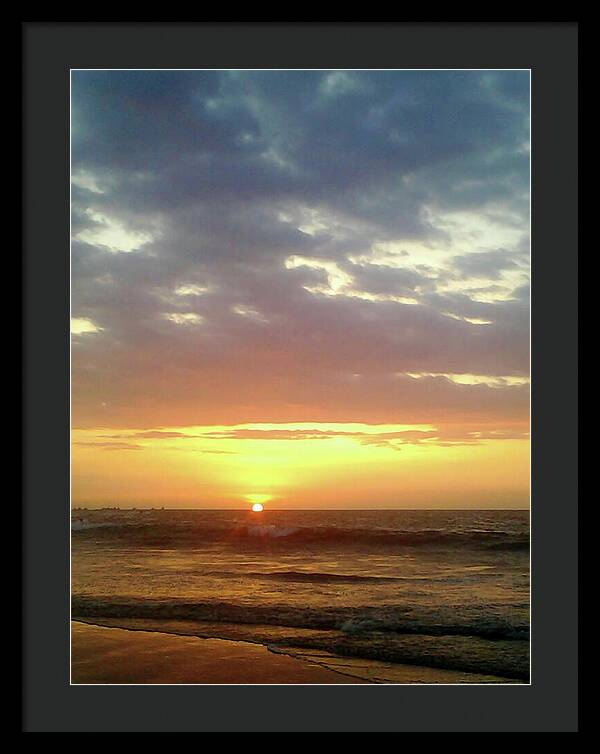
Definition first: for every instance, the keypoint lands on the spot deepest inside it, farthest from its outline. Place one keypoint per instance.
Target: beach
(110, 655)
(114, 655)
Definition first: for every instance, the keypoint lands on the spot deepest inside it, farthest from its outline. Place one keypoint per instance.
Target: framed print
(302, 461)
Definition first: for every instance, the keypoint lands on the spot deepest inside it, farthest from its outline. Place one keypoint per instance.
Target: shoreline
(112, 654)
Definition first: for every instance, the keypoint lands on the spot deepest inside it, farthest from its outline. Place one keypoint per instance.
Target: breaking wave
(346, 619)
(481, 645)
(182, 535)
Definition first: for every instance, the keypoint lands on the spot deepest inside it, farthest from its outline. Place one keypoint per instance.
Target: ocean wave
(350, 620)
(316, 577)
(178, 534)
(273, 531)
(323, 577)
(378, 638)
(83, 525)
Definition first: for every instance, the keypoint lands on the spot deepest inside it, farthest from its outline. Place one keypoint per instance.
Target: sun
(257, 507)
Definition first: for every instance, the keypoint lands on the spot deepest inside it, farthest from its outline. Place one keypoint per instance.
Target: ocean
(353, 590)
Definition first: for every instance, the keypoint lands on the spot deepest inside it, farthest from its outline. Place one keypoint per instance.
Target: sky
(302, 288)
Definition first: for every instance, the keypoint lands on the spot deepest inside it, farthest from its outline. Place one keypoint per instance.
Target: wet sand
(110, 654)
(115, 655)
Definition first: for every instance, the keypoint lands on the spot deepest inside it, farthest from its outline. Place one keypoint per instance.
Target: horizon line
(165, 508)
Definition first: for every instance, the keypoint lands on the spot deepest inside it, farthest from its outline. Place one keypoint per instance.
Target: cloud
(250, 241)
(83, 325)
(388, 436)
(494, 381)
(151, 435)
(110, 445)
(183, 318)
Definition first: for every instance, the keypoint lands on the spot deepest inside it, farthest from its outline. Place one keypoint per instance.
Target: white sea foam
(270, 530)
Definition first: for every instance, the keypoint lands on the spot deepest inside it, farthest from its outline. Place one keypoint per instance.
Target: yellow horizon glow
(302, 464)
(258, 499)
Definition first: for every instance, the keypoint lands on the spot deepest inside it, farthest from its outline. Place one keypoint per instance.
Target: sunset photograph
(300, 376)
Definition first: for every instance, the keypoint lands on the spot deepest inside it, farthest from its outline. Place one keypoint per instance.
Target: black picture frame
(50, 703)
